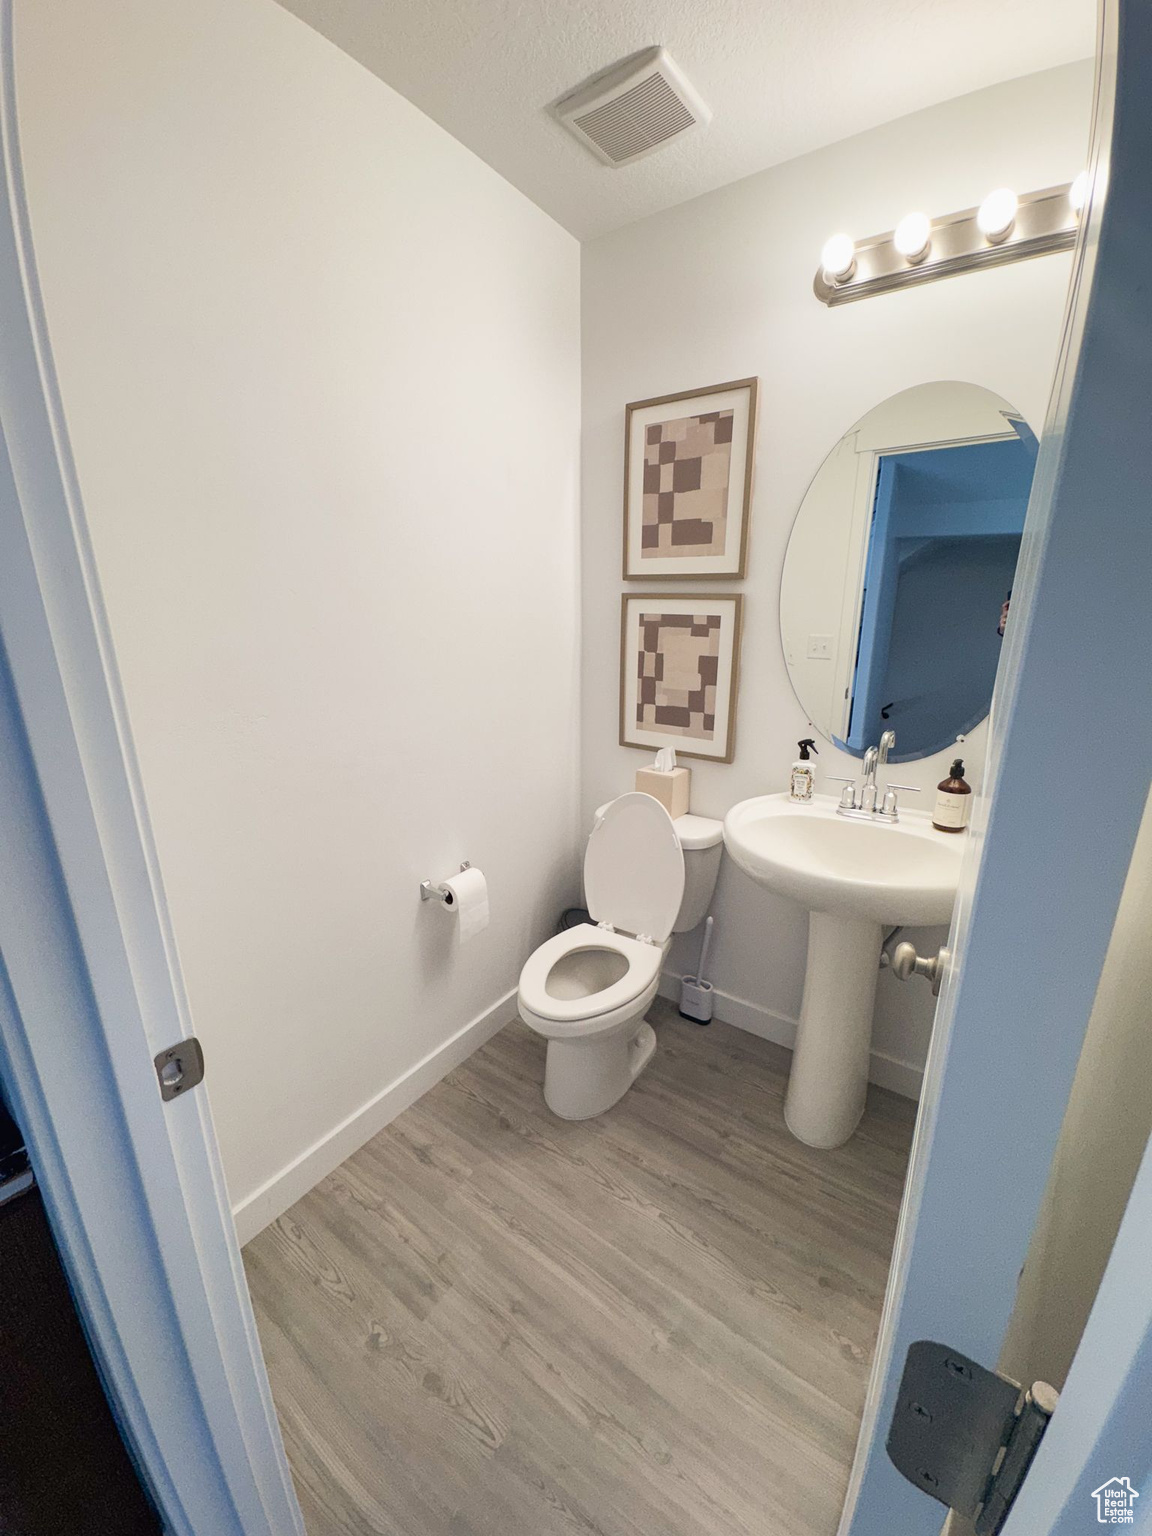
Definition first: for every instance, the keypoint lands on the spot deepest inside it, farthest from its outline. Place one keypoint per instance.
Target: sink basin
(856, 878)
(905, 873)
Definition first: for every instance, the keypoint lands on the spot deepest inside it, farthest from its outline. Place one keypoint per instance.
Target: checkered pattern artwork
(677, 665)
(679, 670)
(687, 462)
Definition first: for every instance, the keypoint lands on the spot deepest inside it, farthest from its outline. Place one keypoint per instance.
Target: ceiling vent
(632, 109)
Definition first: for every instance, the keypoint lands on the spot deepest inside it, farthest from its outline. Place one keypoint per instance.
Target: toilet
(587, 990)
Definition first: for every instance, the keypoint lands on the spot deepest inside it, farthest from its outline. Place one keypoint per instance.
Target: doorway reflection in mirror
(899, 571)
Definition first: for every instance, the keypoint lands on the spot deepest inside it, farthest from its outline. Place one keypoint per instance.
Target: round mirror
(899, 570)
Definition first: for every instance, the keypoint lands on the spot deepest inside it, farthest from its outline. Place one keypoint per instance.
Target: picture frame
(680, 672)
(688, 465)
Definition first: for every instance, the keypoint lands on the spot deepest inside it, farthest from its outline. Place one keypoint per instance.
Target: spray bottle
(803, 778)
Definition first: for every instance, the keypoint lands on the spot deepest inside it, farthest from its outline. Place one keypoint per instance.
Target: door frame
(869, 457)
(1029, 937)
(90, 987)
(1101, 1426)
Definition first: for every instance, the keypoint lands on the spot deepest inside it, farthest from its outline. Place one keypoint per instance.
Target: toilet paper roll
(469, 902)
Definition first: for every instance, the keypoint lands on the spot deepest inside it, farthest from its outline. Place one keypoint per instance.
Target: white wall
(720, 288)
(320, 367)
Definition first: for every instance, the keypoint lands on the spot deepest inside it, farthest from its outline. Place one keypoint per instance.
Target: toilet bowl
(587, 989)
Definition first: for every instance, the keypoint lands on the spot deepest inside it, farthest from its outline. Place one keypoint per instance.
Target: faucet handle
(888, 805)
(848, 793)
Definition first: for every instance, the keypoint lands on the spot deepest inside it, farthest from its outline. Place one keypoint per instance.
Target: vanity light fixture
(1006, 227)
(997, 214)
(838, 258)
(913, 237)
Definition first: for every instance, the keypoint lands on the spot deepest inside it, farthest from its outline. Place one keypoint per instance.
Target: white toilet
(587, 990)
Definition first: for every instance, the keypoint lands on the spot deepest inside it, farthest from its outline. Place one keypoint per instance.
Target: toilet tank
(702, 840)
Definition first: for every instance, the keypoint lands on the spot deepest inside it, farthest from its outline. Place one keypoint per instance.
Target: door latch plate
(179, 1068)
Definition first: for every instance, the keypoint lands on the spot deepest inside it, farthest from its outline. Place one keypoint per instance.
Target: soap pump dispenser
(953, 800)
(803, 778)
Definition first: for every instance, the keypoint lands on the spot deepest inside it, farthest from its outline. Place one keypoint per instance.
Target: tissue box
(672, 789)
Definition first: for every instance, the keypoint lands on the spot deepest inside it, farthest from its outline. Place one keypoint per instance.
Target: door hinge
(179, 1068)
(965, 1435)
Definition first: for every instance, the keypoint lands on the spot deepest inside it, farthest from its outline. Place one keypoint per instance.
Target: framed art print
(679, 667)
(688, 483)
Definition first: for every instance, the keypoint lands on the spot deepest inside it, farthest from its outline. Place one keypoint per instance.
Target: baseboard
(273, 1198)
(901, 1077)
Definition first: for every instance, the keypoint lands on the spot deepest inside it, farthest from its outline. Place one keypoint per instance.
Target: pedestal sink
(856, 878)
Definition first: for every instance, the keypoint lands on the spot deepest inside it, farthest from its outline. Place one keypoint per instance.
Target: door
(1050, 848)
(89, 990)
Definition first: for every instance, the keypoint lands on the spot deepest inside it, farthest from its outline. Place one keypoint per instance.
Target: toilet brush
(695, 993)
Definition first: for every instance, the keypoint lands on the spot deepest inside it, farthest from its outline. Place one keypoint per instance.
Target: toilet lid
(634, 867)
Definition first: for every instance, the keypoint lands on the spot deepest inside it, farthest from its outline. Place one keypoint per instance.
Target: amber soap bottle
(953, 801)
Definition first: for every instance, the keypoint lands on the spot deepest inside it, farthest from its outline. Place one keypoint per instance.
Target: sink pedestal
(856, 877)
(829, 1076)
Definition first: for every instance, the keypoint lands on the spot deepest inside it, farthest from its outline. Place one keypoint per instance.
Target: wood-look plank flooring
(490, 1322)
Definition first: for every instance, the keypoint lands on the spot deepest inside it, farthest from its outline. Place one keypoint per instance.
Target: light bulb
(913, 237)
(838, 258)
(1078, 194)
(998, 214)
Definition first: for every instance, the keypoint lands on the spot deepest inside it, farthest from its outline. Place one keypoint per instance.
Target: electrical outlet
(820, 647)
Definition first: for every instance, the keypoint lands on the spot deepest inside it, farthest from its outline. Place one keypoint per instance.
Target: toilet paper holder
(430, 892)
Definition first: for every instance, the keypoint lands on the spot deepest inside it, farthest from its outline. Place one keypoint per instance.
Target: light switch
(820, 647)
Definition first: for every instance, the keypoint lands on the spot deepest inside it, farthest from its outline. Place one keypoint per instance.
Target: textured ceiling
(781, 76)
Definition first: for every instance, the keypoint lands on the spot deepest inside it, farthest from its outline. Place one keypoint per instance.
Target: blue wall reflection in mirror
(942, 553)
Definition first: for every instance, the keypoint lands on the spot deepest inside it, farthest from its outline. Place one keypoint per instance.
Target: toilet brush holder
(696, 999)
(696, 993)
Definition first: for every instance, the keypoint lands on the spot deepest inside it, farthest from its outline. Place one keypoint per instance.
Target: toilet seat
(597, 1010)
(634, 867)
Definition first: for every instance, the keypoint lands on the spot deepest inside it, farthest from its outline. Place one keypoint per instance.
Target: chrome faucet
(865, 808)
